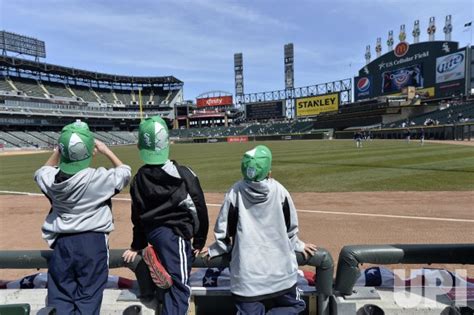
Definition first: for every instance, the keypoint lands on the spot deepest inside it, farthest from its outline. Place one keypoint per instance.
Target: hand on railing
(309, 250)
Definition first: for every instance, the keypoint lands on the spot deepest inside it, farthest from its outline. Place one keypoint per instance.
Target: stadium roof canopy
(12, 62)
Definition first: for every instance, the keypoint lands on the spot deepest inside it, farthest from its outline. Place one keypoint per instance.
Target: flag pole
(470, 32)
(140, 102)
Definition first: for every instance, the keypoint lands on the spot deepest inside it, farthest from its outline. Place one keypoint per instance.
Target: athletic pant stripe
(181, 259)
(185, 262)
(107, 246)
(184, 267)
(298, 297)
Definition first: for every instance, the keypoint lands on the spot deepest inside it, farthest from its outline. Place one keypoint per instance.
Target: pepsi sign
(363, 87)
(363, 84)
(450, 67)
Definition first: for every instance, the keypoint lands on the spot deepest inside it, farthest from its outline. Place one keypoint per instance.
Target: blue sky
(195, 40)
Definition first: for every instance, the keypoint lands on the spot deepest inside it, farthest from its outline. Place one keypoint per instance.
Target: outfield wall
(460, 132)
(320, 134)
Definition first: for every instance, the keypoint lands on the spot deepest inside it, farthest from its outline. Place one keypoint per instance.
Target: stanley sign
(314, 105)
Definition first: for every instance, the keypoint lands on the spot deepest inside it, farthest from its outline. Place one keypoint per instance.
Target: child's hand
(101, 147)
(203, 252)
(129, 255)
(309, 250)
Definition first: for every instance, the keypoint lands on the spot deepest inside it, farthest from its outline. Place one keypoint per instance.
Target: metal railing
(321, 260)
(351, 256)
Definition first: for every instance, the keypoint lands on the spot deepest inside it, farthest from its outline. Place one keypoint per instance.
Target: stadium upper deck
(35, 94)
(12, 63)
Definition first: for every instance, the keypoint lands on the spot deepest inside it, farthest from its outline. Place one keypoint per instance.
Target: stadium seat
(15, 309)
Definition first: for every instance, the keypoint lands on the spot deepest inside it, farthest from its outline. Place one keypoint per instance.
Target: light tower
(239, 78)
(448, 28)
(416, 32)
(367, 54)
(390, 40)
(403, 35)
(431, 29)
(288, 51)
(378, 47)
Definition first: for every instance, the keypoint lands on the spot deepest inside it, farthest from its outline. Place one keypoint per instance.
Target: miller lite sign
(450, 67)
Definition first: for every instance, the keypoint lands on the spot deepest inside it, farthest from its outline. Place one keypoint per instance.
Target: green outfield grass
(302, 166)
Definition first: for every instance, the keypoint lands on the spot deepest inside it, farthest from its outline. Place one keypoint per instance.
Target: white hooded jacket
(82, 202)
(261, 218)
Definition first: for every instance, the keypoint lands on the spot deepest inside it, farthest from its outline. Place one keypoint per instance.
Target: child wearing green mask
(78, 225)
(257, 223)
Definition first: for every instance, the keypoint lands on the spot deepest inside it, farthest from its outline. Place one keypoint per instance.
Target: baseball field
(386, 192)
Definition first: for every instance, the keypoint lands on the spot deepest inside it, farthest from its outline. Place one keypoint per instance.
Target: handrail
(351, 256)
(321, 260)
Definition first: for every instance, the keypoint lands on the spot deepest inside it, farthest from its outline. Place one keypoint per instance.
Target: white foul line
(377, 215)
(392, 216)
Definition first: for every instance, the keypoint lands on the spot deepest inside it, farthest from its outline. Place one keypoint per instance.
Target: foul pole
(140, 103)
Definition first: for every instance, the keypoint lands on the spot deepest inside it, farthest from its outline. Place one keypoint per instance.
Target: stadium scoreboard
(264, 110)
(435, 69)
(22, 44)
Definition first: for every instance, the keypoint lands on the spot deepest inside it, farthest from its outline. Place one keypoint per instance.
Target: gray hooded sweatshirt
(261, 218)
(82, 202)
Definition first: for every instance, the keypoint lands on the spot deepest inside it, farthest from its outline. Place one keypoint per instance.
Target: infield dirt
(348, 219)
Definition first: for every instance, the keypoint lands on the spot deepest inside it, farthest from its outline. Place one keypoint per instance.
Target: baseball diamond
(150, 186)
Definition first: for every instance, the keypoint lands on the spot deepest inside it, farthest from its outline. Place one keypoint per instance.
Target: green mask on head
(256, 163)
(153, 141)
(76, 145)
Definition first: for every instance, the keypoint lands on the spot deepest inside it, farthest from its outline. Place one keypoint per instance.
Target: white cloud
(195, 40)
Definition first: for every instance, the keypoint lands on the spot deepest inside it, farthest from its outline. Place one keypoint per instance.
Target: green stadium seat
(15, 309)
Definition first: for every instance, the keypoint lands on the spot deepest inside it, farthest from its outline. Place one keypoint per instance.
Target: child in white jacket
(78, 226)
(257, 223)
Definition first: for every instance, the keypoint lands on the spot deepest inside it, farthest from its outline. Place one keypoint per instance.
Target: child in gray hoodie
(80, 219)
(257, 223)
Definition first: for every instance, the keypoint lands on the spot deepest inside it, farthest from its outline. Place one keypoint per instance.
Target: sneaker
(158, 273)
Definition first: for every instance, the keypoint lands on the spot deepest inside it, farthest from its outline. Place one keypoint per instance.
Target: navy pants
(78, 272)
(176, 256)
(286, 304)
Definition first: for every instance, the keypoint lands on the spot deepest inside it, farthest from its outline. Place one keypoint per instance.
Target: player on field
(422, 136)
(407, 135)
(358, 138)
(258, 224)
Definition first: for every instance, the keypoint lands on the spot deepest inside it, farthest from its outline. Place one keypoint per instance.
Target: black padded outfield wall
(264, 110)
(435, 68)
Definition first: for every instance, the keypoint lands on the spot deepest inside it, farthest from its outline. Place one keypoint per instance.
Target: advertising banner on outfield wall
(238, 139)
(315, 105)
(450, 67)
(214, 101)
